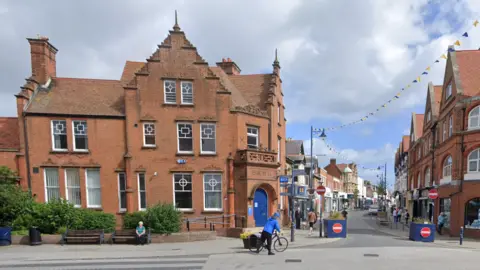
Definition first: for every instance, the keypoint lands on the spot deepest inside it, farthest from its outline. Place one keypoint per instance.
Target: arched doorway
(260, 207)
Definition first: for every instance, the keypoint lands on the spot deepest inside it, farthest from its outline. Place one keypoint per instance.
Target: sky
(340, 59)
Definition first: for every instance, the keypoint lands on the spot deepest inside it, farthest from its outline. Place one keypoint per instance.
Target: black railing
(210, 221)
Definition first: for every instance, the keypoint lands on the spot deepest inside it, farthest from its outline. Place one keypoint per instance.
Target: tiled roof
(9, 137)
(406, 143)
(237, 97)
(80, 97)
(293, 147)
(437, 93)
(419, 125)
(469, 69)
(254, 88)
(296, 157)
(129, 70)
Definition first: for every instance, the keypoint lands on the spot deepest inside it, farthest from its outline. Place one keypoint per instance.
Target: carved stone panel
(254, 173)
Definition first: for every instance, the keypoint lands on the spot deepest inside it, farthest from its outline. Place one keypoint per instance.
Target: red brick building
(447, 152)
(171, 129)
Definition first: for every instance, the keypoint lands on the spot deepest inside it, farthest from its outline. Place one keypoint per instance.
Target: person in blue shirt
(140, 230)
(268, 229)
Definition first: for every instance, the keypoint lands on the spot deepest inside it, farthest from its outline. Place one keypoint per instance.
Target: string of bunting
(338, 153)
(417, 80)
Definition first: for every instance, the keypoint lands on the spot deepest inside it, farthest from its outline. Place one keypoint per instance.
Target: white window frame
(279, 149)
(447, 168)
(448, 90)
(140, 191)
(178, 138)
(121, 209)
(79, 186)
(201, 138)
(191, 191)
(45, 182)
(477, 160)
(477, 117)
(74, 136)
(86, 187)
(253, 135)
(53, 135)
(165, 91)
(450, 126)
(181, 92)
(205, 191)
(154, 134)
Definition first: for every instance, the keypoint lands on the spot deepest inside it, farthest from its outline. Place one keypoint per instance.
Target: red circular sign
(337, 228)
(321, 190)
(425, 232)
(432, 194)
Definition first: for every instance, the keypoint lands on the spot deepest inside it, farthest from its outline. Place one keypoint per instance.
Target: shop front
(328, 201)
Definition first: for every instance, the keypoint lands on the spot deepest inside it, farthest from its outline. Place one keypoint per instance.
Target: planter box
(422, 232)
(335, 228)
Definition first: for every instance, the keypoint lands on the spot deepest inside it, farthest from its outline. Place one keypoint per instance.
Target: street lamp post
(322, 135)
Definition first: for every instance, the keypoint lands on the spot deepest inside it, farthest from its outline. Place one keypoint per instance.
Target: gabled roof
(419, 125)
(254, 88)
(129, 71)
(405, 143)
(79, 97)
(294, 147)
(9, 136)
(468, 70)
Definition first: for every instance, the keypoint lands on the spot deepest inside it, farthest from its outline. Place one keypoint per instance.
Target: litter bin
(35, 236)
(5, 236)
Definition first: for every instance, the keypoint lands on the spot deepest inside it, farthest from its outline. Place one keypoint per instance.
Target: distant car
(373, 209)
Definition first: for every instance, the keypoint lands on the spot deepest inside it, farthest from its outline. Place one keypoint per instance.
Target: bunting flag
(417, 80)
(343, 157)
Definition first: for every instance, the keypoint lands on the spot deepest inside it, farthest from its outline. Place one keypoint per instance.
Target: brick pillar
(231, 192)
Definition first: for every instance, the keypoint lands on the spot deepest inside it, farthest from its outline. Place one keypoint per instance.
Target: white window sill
(213, 210)
(94, 206)
(142, 209)
(150, 145)
(446, 180)
(80, 150)
(473, 128)
(472, 176)
(77, 206)
(60, 150)
(185, 209)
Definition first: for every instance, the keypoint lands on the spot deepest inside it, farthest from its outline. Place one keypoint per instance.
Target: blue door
(260, 207)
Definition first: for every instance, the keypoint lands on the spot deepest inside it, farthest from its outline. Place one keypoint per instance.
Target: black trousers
(141, 239)
(440, 226)
(266, 236)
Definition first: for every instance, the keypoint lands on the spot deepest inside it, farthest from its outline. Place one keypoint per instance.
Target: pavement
(367, 246)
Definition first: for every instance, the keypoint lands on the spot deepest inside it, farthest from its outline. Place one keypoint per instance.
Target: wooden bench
(130, 234)
(96, 236)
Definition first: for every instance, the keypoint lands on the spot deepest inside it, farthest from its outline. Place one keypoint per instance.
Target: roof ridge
(88, 79)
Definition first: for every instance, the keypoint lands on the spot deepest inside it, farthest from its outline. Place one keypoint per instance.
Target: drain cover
(293, 261)
(371, 255)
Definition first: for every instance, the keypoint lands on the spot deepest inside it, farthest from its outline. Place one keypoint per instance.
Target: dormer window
(448, 91)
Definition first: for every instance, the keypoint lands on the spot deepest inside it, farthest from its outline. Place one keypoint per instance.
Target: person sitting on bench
(140, 230)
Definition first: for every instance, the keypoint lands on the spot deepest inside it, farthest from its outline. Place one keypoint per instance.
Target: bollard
(205, 222)
(188, 225)
(461, 235)
(223, 220)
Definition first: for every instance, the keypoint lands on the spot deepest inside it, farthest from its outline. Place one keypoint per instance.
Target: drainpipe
(27, 156)
(231, 192)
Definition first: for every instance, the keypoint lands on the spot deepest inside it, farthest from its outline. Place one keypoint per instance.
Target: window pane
(51, 184)
(183, 190)
(474, 155)
(141, 191)
(170, 92)
(122, 186)
(149, 134)
(93, 188)
(185, 139)
(143, 200)
(213, 200)
(472, 216)
(208, 135)
(80, 133)
(123, 200)
(187, 93)
(183, 200)
(73, 186)
(59, 133)
(141, 181)
(472, 166)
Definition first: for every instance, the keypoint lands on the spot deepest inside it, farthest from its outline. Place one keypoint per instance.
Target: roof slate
(469, 69)
(293, 147)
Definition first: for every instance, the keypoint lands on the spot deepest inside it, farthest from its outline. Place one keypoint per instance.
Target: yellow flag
(418, 79)
(428, 68)
(457, 43)
(475, 23)
(443, 56)
(398, 94)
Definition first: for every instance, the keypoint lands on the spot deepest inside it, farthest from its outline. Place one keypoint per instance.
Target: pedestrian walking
(399, 215)
(394, 214)
(441, 222)
(312, 218)
(407, 216)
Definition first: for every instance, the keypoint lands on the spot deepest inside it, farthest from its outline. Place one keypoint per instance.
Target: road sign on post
(321, 190)
(425, 232)
(283, 179)
(433, 194)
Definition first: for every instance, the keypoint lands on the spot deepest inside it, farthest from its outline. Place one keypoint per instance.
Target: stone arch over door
(264, 201)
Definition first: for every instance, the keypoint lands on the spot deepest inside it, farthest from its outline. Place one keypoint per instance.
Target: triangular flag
(443, 56)
(451, 49)
(414, 81)
(475, 23)
(425, 73)
(457, 43)
(465, 34)
(436, 61)
(428, 68)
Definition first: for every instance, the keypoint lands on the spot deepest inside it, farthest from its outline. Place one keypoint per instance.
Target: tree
(7, 176)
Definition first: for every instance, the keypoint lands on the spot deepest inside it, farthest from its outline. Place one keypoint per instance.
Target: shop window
(472, 214)
(445, 208)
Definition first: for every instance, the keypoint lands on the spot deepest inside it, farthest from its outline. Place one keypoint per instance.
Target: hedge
(160, 218)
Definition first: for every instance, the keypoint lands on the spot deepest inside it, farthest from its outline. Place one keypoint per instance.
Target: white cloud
(340, 59)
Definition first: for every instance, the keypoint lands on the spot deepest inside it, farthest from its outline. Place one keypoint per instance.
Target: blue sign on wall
(283, 179)
(250, 210)
(181, 161)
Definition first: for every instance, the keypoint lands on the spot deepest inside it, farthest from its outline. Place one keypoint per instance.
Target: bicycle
(279, 243)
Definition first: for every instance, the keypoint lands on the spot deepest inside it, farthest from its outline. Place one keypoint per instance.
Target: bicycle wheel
(280, 244)
(254, 248)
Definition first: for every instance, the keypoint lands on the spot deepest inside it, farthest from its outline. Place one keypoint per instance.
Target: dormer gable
(451, 82)
(432, 105)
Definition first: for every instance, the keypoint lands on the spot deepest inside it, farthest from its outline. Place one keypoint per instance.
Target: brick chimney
(333, 161)
(43, 60)
(229, 67)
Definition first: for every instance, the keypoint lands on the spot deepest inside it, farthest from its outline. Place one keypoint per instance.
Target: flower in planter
(336, 216)
(422, 220)
(245, 235)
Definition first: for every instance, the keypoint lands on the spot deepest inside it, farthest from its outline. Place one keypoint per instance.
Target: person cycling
(268, 229)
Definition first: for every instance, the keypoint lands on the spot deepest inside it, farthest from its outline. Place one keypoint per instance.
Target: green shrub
(87, 219)
(336, 216)
(20, 232)
(160, 218)
(130, 220)
(14, 202)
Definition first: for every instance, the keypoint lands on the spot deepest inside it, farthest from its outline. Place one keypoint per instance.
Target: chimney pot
(229, 60)
(229, 67)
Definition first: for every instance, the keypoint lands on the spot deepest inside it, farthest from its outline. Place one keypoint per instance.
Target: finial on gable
(276, 63)
(176, 27)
